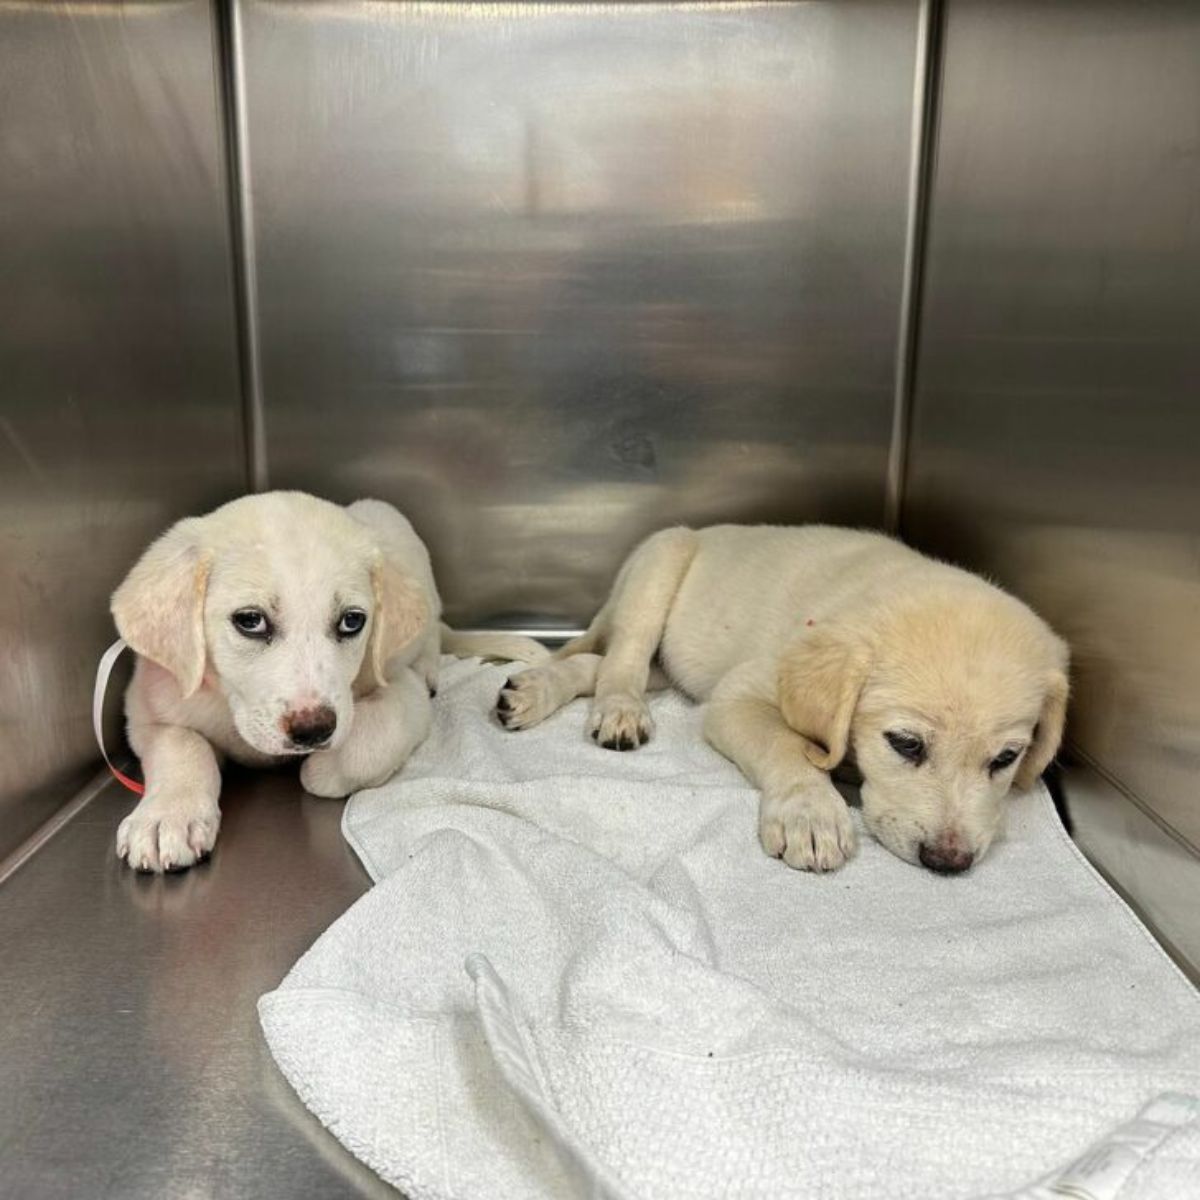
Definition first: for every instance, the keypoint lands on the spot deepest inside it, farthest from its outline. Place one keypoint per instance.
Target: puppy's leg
(389, 725)
(637, 616)
(533, 695)
(428, 662)
(801, 818)
(175, 823)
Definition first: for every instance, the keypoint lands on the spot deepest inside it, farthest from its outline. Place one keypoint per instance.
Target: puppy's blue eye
(351, 622)
(252, 623)
(1003, 760)
(908, 746)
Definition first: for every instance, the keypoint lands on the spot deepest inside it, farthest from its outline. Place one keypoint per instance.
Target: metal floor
(131, 1060)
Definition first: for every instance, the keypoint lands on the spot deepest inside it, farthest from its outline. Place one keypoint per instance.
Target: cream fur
(809, 644)
(201, 690)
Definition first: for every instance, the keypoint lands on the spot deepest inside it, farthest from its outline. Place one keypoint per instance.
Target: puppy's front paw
(527, 698)
(430, 675)
(620, 722)
(810, 830)
(322, 775)
(164, 835)
(335, 774)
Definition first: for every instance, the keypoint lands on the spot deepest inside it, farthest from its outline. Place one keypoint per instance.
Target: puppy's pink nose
(310, 727)
(945, 857)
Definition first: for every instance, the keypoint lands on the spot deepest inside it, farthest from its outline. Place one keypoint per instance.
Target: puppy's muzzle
(945, 858)
(310, 728)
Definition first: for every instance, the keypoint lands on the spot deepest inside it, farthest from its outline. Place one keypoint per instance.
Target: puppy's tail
(588, 642)
(494, 647)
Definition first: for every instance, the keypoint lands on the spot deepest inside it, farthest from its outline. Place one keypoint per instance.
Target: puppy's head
(947, 700)
(282, 603)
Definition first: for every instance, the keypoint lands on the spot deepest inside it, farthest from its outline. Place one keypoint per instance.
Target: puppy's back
(750, 587)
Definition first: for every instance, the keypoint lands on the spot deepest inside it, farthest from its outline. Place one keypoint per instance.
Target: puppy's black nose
(311, 727)
(945, 858)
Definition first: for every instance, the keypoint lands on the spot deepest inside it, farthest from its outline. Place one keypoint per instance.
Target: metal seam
(922, 146)
(1075, 751)
(14, 861)
(541, 633)
(231, 68)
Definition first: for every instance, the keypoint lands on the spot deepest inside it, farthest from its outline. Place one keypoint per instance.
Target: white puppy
(812, 645)
(278, 625)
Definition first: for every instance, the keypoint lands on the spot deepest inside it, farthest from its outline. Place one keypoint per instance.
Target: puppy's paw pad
(620, 722)
(810, 833)
(156, 841)
(526, 699)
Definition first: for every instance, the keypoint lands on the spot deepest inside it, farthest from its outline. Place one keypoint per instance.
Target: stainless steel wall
(119, 404)
(550, 276)
(1056, 424)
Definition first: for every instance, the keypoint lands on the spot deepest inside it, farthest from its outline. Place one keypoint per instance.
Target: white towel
(579, 973)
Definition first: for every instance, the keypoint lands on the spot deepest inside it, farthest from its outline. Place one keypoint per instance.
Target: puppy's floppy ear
(401, 613)
(159, 607)
(1047, 734)
(821, 674)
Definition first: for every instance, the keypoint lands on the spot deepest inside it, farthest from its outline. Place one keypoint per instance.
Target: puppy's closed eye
(1004, 760)
(908, 745)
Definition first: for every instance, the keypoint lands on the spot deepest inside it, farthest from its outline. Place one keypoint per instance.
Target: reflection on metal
(119, 404)
(1056, 427)
(551, 276)
(133, 1066)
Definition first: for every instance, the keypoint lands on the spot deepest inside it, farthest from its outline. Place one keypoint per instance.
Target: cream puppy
(278, 626)
(814, 645)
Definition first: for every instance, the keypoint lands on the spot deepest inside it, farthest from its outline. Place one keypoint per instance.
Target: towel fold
(579, 974)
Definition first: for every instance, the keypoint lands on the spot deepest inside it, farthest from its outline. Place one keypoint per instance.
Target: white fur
(202, 690)
(809, 645)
